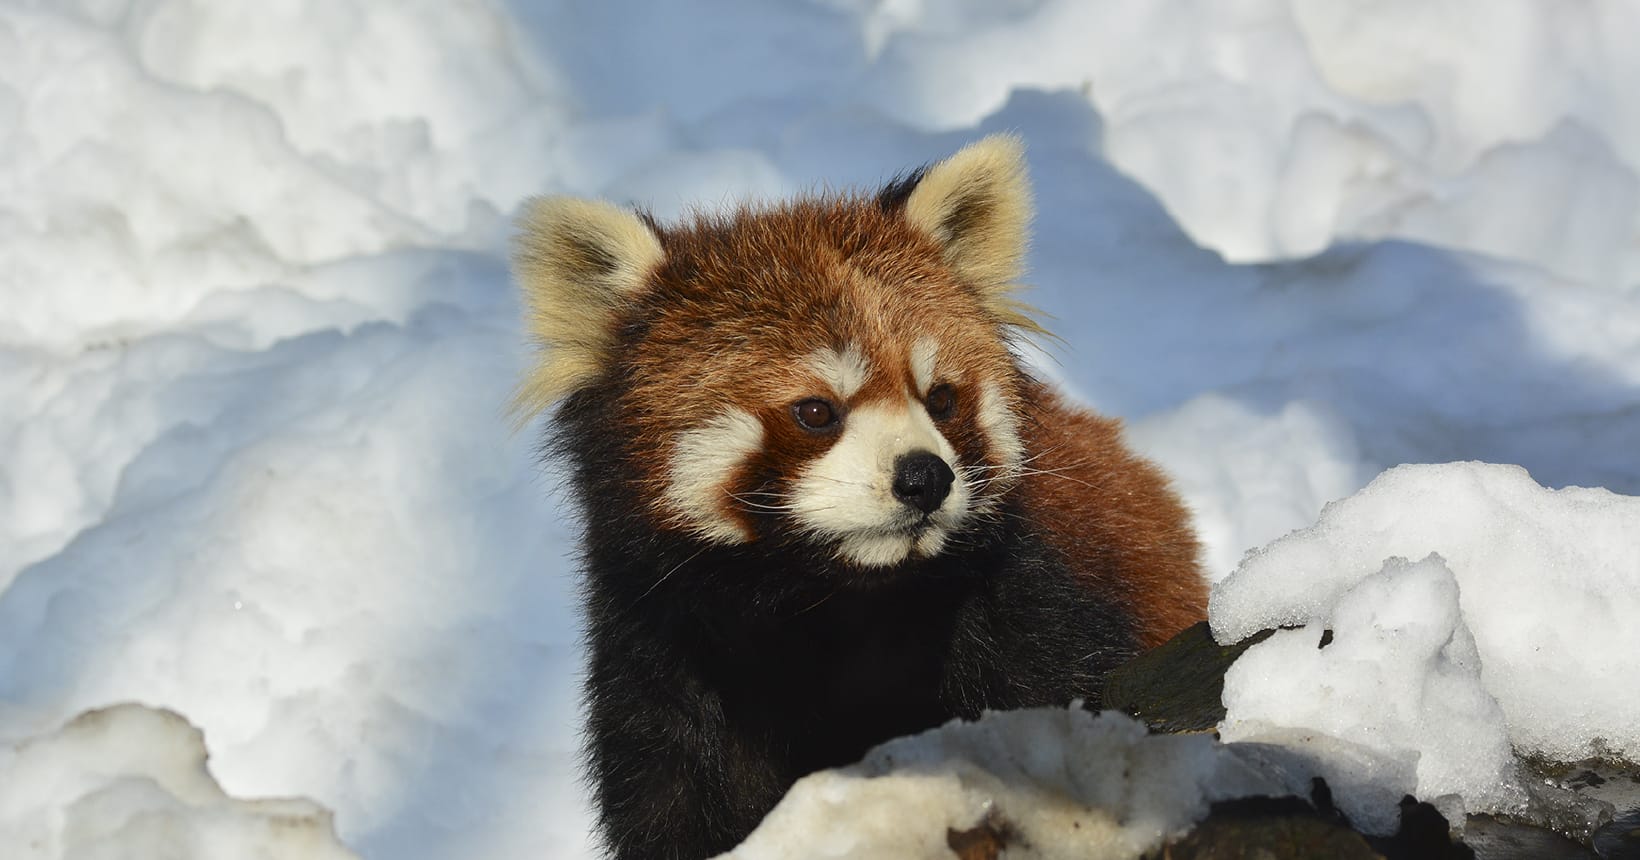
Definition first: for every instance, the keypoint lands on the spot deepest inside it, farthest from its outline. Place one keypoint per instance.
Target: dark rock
(1424, 834)
(1177, 686)
(1619, 840)
(1291, 828)
(1268, 828)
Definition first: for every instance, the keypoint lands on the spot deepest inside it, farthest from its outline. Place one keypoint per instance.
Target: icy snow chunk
(1548, 582)
(1067, 782)
(1400, 679)
(130, 781)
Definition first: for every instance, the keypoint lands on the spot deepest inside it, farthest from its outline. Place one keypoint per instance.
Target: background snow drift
(256, 330)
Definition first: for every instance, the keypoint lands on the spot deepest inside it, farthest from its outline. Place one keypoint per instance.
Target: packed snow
(1514, 633)
(1547, 581)
(1058, 783)
(256, 337)
(1400, 682)
(128, 781)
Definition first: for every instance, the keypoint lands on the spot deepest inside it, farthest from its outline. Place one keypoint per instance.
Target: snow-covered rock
(1062, 783)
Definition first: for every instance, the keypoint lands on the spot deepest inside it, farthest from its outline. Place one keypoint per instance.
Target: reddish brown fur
(1093, 498)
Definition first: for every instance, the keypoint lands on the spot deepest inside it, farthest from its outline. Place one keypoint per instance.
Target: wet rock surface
(1500, 839)
(1265, 827)
(1594, 803)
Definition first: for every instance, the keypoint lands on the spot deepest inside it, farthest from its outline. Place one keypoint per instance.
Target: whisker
(829, 596)
(1060, 473)
(675, 568)
(842, 481)
(761, 506)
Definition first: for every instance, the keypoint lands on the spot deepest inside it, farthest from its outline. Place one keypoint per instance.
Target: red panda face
(816, 373)
(873, 475)
(831, 372)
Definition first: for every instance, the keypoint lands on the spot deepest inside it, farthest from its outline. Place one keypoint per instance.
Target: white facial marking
(846, 372)
(1001, 427)
(848, 493)
(923, 353)
(705, 459)
(931, 542)
(874, 550)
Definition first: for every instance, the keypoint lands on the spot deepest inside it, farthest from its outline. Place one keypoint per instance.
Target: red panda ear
(578, 263)
(977, 204)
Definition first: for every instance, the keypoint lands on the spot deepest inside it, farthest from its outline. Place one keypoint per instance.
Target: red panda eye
(942, 402)
(815, 414)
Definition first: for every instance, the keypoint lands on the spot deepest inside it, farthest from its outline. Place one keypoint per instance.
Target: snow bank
(434, 112)
(1547, 580)
(1272, 128)
(331, 555)
(130, 781)
(1513, 633)
(1061, 783)
(136, 200)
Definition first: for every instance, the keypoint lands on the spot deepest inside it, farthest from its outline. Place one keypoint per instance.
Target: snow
(1059, 783)
(257, 338)
(1400, 680)
(1547, 581)
(128, 778)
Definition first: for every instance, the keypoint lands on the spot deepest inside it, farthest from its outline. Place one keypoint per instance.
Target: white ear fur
(977, 204)
(577, 262)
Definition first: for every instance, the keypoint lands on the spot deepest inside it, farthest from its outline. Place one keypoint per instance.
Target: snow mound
(1062, 782)
(1400, 680)
(1548, 581)
(130, 781)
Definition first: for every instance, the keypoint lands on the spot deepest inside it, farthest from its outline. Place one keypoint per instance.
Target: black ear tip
(893, 196)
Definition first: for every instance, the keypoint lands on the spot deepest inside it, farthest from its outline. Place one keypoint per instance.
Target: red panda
(824, 503)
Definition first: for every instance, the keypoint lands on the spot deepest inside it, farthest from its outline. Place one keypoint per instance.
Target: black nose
(922, 480)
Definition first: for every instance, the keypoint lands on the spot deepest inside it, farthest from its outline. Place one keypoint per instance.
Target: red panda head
(834, 371)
